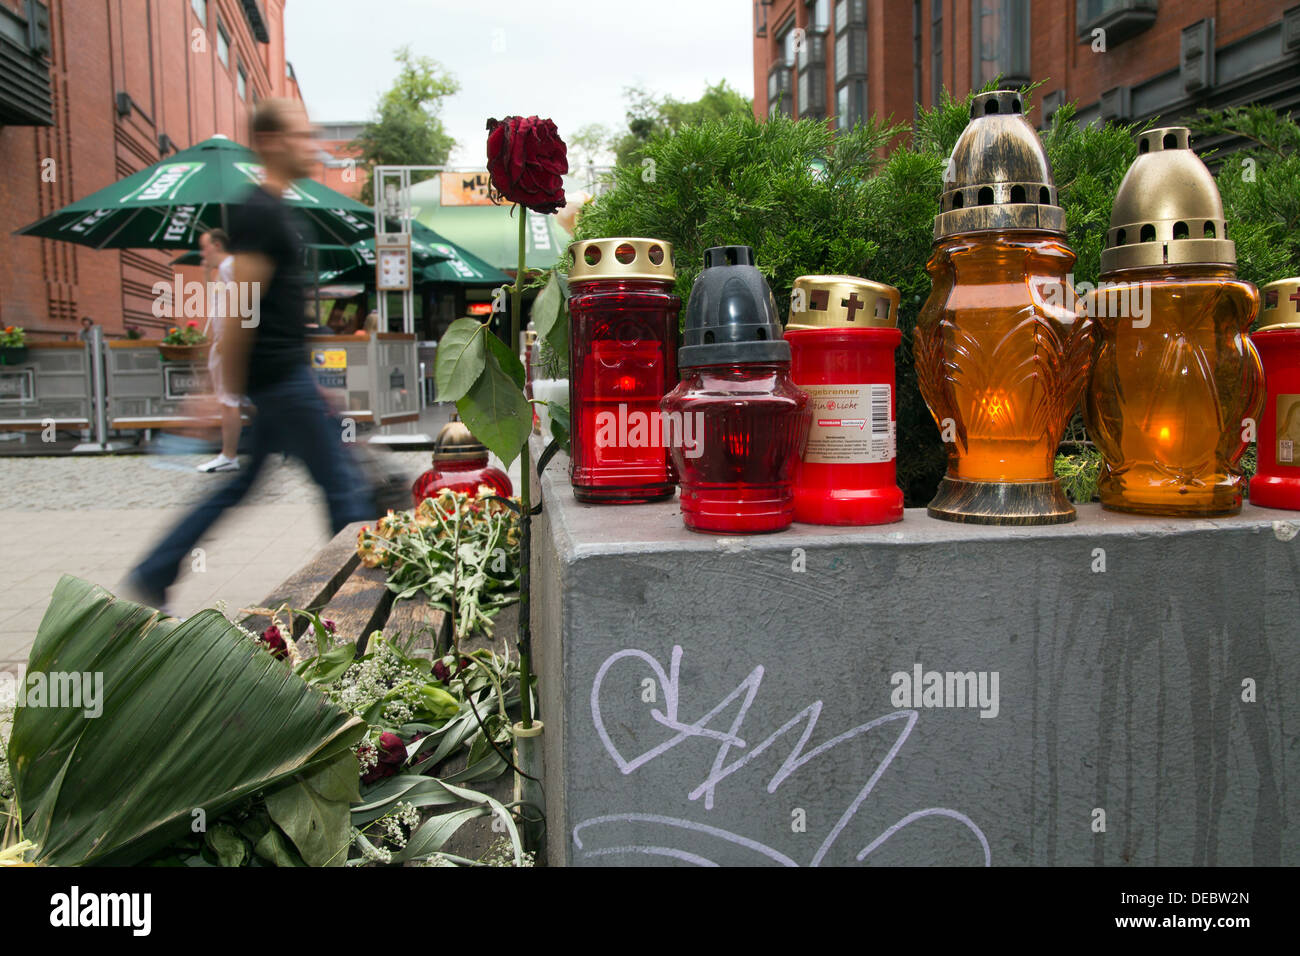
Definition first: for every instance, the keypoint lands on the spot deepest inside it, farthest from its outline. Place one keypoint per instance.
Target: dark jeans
(292, 417)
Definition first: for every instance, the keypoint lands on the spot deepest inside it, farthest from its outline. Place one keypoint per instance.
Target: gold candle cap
(1167, 211)
(622, 258)
(455, 442)
(998, 177)
(842, 302)
(1279, 305)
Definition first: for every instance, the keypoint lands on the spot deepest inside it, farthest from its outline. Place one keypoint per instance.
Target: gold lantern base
(1001, 502)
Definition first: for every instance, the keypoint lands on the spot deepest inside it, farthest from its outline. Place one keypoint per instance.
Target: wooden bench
(337, 586)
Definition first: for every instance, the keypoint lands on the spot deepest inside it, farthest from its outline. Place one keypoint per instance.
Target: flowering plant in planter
(13, 337)
(188, 334)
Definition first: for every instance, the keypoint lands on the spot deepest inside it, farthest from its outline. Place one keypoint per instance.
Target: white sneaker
(220, 463)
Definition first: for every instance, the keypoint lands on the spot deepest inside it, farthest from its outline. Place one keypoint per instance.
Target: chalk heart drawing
(727, 741)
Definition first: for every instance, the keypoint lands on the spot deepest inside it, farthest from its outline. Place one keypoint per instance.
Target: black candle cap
(731, 317)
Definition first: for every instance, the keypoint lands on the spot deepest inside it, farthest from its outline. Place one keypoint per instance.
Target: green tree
(406, 129)
(589, 143)
(649, 115)
(1260, 188)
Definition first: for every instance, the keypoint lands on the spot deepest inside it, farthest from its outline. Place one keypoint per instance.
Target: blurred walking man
(267, 360)
(220, 266)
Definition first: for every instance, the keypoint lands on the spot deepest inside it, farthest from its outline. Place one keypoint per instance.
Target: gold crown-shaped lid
(998, 177)
(1280, 305)
(455, 442)
(622, 258)
(1167, 211)
(841, 302)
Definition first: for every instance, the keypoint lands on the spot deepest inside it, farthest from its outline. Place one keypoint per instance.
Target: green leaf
(496, 411)
(430, 836)
(314, 811)
(549, 306)
(225, 841)
(507, 359)
(330, 666)
(460, 360)
(193, 715)
(277, 850)
(560, 425)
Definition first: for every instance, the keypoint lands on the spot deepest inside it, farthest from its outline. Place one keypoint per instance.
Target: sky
(565, 59)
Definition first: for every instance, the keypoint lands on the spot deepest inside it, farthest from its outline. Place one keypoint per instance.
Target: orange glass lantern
(1001, 354)
(1277, 478)
(1177, 387)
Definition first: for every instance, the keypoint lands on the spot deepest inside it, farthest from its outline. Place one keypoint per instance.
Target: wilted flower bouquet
(420, 549)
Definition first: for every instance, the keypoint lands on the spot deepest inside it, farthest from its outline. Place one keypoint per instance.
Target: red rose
(392, 754)
(440, 671)
(526, 160)
(275, 643)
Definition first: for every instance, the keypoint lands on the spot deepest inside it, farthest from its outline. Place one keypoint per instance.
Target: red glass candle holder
(842, 333)
(1276, 483)
(623, 342)
(741, 420)
(460, 463)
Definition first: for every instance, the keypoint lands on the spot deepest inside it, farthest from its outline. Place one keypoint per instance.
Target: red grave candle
(623, 342)
(1276, 483)
(842, 333)
(737, 420)
(460, 463)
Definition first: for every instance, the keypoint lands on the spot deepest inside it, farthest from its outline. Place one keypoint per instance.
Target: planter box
(1146, 674)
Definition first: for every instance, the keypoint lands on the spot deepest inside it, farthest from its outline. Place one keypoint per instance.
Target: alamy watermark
(179, 299)
(654, 429)
(1119, 300)
(945, 689)
(64, 690)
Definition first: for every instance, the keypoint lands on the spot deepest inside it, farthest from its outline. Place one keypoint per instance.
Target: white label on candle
(1288, 429)
(851, 425)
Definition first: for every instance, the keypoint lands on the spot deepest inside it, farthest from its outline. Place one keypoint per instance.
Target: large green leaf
(315, 810)
(550, 312)
(495, 409)
(460, 358)
(194, 716)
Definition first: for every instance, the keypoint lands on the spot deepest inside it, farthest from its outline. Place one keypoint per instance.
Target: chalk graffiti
(587, 831)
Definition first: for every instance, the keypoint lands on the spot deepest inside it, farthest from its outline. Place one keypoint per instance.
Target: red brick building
(1122, 60)
(341, 170)
(125, 83)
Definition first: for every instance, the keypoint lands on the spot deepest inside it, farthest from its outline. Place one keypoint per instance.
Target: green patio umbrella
(491, 232)
(436, 260)
(167, 205)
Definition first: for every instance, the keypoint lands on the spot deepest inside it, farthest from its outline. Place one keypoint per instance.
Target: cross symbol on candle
(1295, 297)
(853, 303)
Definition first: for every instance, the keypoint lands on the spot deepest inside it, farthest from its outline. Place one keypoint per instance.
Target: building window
(936, 52)
(241, 81)
(819, 16)
(779, 93)
(851, 104)
(850, 63)
(785, 38)
(916, 59)
(1120, 19)
(223, 46)
(1000, 42)
(200, 10)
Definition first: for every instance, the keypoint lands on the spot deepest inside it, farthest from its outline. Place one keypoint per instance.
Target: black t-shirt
(267, 225)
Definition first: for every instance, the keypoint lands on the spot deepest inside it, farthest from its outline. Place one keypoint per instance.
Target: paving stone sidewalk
(96, 516)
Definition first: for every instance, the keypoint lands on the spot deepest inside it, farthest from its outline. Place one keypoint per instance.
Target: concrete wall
(706, 700)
